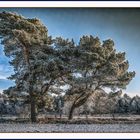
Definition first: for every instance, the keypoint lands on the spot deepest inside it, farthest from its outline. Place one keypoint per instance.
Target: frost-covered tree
(21, 38)
(44, 65)
(37, 59)
(96, 66)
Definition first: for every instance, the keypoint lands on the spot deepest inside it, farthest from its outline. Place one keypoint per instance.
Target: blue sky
(121, 25)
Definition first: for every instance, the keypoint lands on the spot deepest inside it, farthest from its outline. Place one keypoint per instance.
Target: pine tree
(37, 59)
(42, 64)
(97, 65)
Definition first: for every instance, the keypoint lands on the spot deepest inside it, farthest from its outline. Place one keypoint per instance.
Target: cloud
(5, 71)
(132, 94)
(1, 91)
(3, 77)
(129, 93)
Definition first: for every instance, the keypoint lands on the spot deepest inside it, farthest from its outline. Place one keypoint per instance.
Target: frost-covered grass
(97, 123)
(69, 127)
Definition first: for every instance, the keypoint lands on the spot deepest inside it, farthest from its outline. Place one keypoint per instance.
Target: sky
(121, 25)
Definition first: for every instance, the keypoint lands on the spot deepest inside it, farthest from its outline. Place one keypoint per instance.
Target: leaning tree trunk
(70, 117)
(79, 101)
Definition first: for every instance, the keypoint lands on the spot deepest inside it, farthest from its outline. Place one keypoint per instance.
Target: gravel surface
(69, 128)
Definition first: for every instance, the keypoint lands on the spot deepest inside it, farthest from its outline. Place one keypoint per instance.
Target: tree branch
(46, 86)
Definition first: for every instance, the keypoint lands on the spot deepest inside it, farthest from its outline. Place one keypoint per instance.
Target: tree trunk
(32, 97)
(78, 102)
(71, 112)
(33, 109)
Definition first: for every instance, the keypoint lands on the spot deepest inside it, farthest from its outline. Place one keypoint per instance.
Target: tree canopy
(45, 65)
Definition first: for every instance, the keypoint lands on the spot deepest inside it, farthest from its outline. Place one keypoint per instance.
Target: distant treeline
(99, 103)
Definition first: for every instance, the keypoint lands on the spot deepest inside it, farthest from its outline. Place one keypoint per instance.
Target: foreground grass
(92, 124)
(69, 128)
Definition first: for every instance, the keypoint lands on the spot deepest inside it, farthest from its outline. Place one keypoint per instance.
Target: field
(70, 128)
(98, 123)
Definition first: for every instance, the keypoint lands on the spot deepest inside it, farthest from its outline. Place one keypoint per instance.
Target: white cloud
(1, 91)
(131, 94)
(3, 77)
(5, 71)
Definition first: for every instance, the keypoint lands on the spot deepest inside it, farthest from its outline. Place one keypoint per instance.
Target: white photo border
(70, 4)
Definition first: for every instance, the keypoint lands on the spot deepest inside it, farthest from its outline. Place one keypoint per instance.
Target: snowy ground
(69, 127)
